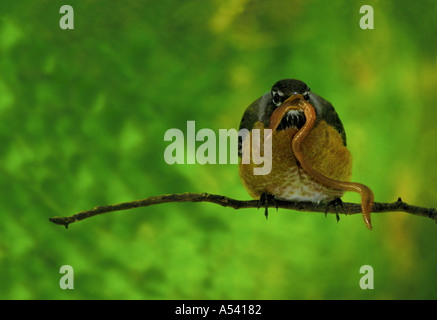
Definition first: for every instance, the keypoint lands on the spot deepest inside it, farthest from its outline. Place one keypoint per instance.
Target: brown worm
(367, 198)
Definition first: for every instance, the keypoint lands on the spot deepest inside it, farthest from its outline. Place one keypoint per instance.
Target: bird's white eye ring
(277, 97)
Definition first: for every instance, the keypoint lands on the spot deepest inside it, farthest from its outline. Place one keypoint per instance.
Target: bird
(310, 160)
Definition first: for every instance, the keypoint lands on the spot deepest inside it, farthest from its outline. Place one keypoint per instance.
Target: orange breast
(323, 149)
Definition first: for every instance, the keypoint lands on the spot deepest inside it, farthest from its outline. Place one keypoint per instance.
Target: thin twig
(347, 208)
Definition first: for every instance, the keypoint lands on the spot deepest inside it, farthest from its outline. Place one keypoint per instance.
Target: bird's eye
(277, 97)
(306, 96)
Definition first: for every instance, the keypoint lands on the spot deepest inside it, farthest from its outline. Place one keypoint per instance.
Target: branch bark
(345, 207)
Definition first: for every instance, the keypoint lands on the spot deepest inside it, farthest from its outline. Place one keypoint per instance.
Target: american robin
(310, 159)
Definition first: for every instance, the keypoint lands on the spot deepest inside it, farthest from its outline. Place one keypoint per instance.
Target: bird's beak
(294, 102)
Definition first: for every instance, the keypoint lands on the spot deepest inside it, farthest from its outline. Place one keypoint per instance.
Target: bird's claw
(336, 203)
(264, 200)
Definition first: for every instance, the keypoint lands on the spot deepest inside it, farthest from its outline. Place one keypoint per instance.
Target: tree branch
(346, 207)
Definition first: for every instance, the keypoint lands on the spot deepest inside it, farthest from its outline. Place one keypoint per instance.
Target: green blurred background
(83, 115)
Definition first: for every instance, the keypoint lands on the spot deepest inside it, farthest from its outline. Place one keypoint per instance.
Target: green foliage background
(83, 115)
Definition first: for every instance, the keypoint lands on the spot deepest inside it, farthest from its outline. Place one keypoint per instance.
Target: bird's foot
(336, 203)
(264, 200)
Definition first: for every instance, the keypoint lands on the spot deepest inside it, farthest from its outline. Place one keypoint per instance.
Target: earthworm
(367, 198)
